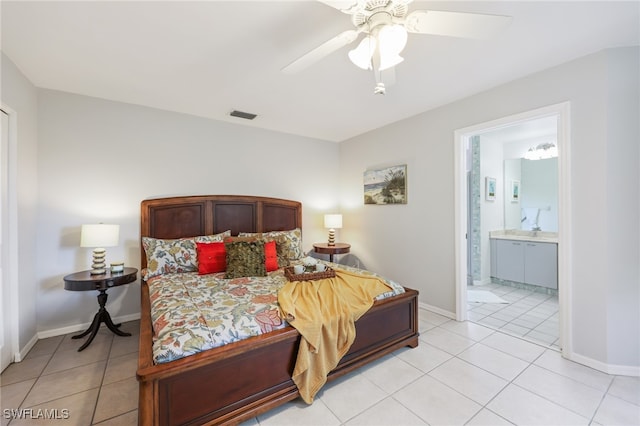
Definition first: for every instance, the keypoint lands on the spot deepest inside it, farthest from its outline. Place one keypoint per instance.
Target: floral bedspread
(191, 313)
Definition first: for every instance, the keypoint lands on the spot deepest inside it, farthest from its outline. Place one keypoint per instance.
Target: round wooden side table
(337, 248)
(84, 281)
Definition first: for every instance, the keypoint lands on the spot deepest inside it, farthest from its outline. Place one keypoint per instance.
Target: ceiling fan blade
(353, 6)
(344, 6)
(321, 51)
(456, 24)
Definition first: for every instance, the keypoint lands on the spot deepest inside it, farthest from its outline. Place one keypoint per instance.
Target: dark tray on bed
(308, 276)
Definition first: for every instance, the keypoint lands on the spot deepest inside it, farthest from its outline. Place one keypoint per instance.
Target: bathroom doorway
(493, 198)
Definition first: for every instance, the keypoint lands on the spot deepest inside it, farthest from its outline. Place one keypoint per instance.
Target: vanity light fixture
(542, 152)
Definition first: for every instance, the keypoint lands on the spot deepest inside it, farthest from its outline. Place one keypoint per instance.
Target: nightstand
(337, 248)
(84, 281)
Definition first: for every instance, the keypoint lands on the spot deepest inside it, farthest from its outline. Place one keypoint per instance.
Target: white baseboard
(24, 351)
(81, 327)
(437, 310)
(616, 370)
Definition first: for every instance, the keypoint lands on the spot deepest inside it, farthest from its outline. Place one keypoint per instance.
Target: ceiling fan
(385, 24)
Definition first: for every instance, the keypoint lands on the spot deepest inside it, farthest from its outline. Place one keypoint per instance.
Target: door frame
(10, 233)
(565, 282)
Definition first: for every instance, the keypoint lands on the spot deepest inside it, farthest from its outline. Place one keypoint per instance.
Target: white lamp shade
(99, 235)
(333, 221)
(391, 40)
(361, 55)
(388, 61)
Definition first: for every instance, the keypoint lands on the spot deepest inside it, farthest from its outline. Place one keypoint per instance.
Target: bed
(206, 388)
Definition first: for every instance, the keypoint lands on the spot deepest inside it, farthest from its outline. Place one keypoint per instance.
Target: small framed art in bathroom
(515, 191)
(489, 188)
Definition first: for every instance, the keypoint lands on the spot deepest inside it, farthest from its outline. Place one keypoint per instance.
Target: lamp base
(99, 267)
(332, 237)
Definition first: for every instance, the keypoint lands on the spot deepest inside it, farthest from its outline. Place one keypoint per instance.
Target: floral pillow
(174, 256)
(215, 238)
(288, 243)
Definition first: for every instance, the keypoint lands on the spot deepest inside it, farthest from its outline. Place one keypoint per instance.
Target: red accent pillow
(270, 256)
(212, 257)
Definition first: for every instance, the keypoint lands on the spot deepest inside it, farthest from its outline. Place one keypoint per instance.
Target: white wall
(98, 159)
(21, 96)
(414, 244)
(622, 223)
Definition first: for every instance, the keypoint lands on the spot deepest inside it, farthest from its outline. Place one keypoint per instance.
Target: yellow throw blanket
(324, 312)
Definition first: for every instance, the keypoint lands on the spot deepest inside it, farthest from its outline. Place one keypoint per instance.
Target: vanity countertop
(533, 236)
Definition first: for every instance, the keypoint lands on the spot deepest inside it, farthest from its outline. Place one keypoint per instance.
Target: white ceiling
(207, 58)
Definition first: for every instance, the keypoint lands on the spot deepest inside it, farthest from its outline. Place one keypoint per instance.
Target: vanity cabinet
(510, 260)
(541, 264)
(525, 262)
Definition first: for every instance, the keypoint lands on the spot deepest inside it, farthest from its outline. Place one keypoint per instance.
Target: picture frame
(386, 186)
(490, 188)
(515, 191)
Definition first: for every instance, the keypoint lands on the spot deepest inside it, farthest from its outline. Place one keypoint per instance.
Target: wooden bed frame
(238, 381)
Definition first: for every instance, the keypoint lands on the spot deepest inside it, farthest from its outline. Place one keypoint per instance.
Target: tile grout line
(104, 372)
(512, 382)
(513, 318)
(531, 363)
(482, 406)
(26, 395)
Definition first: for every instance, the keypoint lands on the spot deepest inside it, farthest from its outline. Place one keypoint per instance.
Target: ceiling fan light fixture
(361, 55)
(391, 40)
(388, 61)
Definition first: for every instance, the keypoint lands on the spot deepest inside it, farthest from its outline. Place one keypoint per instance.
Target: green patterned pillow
(288, 243)
(282, 247)
(174, 256)
(245, 259)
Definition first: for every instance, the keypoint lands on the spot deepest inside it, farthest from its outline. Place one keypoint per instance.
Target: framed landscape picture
(515, 191)
(490, 188)
(386, 186)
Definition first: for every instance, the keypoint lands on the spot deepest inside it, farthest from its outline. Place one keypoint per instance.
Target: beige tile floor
(528, 314)
(467, 373)
(462, 373)
(96, 386)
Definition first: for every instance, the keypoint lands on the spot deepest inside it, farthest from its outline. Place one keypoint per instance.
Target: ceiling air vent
(241, 114)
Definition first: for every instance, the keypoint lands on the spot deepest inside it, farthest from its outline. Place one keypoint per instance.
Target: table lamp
(333, 222)
(99, 236)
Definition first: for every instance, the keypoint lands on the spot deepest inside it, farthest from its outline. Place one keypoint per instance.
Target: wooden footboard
(243, 379)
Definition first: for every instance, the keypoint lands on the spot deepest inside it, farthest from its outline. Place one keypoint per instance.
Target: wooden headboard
(190, 216)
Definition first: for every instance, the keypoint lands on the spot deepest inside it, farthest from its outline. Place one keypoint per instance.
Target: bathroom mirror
(531, 194)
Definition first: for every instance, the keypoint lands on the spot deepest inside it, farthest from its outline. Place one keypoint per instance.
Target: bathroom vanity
(526, 257)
